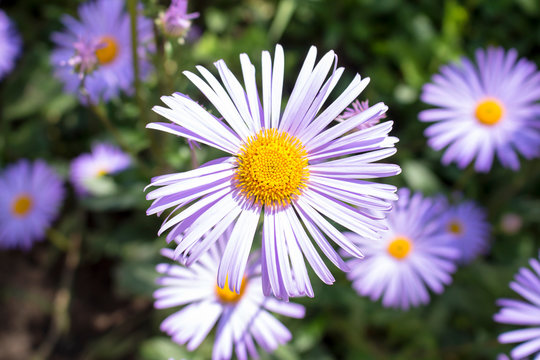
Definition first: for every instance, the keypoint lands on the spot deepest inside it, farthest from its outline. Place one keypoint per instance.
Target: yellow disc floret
(22, 205)
(226, 295)
(400, 247)
(272, 168)
(455, 227)
(489, 111)
(107, 51)
(101, 172)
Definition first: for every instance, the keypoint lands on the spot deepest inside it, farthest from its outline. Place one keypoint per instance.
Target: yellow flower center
(107, 51)
(489, 112)
(228, 296)
(400, 247)
(455, 227)
(101, 172)
(272, 168)
(22, 205)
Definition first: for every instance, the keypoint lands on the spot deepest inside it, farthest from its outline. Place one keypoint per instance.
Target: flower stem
(132, 8)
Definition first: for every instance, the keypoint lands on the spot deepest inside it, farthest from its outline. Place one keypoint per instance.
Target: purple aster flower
(483, 109)
(176, 21)
(356, 108)
(525, 313)
(242, 318)
(414, 255)
(288, 167)
(10, 44)
(468, 226)
(104, 160)
(31, 194)
(95, 51)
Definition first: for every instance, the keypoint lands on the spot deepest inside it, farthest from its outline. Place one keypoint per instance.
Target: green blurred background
(59, 305)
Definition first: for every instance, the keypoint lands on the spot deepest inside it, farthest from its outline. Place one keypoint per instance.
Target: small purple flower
(485, 109)
(290, 168)
(10, 44)
(31, 194)
(356, 108)
(467, 224)
(176, 21)
(243, 319)
(525, 313)
(95, 51)
(104, 160)
(415, 253)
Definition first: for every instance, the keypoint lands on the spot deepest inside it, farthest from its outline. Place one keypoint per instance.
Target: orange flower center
(228, 296)
(400, 247)
(107, 51)
(489, 112)
(22, 205)
(455, 227)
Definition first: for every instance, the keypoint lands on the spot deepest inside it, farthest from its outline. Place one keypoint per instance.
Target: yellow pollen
(22, 205)
(489, 112)
(400, 247)
(101, 172)
(455, 228)
(107, 51)
(228, 296)
(272, 168)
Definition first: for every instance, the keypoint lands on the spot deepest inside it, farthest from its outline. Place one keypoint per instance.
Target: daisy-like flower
(31, 194)
(95, 51)
(176, 21)
(10, 44)
(286, 167)
(242, 319)
(485, 109)
(523, 312)
(414, 255)
(356, 108)
(104, 160)
(468, 226)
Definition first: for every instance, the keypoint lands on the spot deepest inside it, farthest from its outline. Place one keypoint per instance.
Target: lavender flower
(10, 44)
(356, 108)
(288, 167)
(95, 52)
(483, 110)
(415, 254)
(176, 21)
(31, 194)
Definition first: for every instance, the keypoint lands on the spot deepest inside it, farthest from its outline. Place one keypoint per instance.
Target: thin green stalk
(132, 8)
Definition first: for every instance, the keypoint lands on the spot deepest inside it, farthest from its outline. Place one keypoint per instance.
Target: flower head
(104, 160)
(523, 312)
(31, 194)
(485, 109)
(95, 52)
(467, 224)
(10, 44)
(414, 255)
(356, 108)
(289, 168)
(176, 21)
(242, 318)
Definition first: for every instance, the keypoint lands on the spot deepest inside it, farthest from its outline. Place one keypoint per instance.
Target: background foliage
(399, 44)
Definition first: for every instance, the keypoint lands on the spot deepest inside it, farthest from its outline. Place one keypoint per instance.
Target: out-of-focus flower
(176, 21)
(467, 224)
(10, 44)
(242, 318)
(524, 313)
(95, 51)
(289, 167)
(485, 109)
(416, 253)
(104, 160)
(31, 194)
(511, 223)
(356, 108)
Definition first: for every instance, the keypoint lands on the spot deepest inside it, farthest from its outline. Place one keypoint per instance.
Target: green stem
(284, 12)
(132, 8)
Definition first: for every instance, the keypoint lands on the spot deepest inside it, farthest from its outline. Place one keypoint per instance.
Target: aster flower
(468, 226)
(243, 319)
(287, 167)
(484, 109)
(104, 160)
(176, 21)
(414, 255)
(523, 312)
(356, 108)
(95, 51)
(31, 194)
(10, 44)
